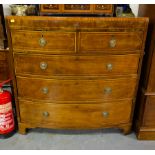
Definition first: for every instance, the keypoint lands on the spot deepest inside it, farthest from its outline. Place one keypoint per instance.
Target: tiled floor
(75, 140)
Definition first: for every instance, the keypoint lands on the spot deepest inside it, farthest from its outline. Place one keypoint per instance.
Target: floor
(45, 139)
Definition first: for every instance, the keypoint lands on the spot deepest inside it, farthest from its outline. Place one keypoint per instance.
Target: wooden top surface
(39, 22)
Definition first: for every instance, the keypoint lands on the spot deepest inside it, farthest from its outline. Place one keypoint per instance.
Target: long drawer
(75, 115)
(75, 89)
(56, 42)
(76, 65)
(99, 41)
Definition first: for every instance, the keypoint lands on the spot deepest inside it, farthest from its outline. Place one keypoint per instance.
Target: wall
(6, 9)
(134, 8)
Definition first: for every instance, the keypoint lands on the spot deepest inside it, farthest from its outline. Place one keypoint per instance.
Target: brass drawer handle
(112, 43)
(105, 114)
(45, 114)
(109, 67)
(45, 90)
(43, 65)
(42, 42)
(107, 90)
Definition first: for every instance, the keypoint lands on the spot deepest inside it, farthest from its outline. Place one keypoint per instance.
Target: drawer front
(99, 41)
(50, 8)
(149, 113)
(75, 115)
(75, 90)
(76, 65)
(77, 8)
(103, 8)
(55, 42)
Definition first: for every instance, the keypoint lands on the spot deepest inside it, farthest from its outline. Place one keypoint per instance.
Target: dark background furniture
(145, 109)
(3, 45)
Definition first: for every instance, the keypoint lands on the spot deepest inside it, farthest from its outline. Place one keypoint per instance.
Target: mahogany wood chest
(75, 73)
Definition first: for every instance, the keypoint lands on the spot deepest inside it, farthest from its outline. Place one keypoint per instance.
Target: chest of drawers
(75, 73)
(76, 8)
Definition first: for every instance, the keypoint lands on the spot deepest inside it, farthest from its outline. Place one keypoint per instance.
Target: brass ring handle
(112, 43)
(43, 65)
(109, 67)
(42, 42)
(45, 90)
(105, 114)
(107, 90)
(45, 114)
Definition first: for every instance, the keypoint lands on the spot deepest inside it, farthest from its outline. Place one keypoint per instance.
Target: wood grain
(101, 41)
(75, 115)
(4, 70)
(144, 118)
(75, 90)
(149, 114)
(78, 23)
(55, 41)
(76, 65)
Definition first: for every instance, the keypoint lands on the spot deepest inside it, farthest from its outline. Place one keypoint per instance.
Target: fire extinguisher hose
(4, 82)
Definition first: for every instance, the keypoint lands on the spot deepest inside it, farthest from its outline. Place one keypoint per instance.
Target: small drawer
(42, 41)
(76, 65)
(99, 41)
(77, 8)
(50, 8)
(75, 115)
(76, 89)
(103, 8)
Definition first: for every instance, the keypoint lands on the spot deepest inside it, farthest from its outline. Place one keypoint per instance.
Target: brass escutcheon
(43, 65)
(109, 66)
(45, 90)
(112, 43)
(107, 90)
(45, 114)
(105, 114)
(42, 42)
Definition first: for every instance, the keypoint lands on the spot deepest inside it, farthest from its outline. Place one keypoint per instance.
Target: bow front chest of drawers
(75, 73)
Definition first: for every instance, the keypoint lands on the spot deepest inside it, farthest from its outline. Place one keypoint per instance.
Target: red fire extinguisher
(7, 123)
